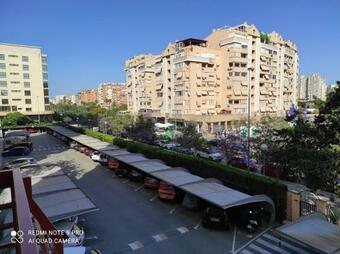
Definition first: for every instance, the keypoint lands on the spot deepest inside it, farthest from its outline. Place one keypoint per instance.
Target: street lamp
(250, 69)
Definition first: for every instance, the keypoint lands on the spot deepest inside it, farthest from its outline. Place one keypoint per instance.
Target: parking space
(131, 218)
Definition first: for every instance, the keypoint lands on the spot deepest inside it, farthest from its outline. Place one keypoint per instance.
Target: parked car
(241, 162)
(73, 144)
(72, 231)
(169, 145)
(166, 191)
(151, 183)
(215, 218)
(27, 144)
(209, 153)
(17, 163)
(80, 250)
(122, 172)
(136, 176)
(88, 151)
(99, 157)
(182, 149)
(82, 149)
(16, 151)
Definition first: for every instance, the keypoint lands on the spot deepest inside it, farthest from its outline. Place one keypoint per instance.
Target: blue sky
(87, 42)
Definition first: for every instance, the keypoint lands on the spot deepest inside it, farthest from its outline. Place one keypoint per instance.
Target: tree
(142, 130)
(231, 144)
(190, 138)
(15, 118)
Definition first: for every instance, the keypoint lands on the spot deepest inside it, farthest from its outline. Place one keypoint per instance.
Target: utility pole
(250, 69)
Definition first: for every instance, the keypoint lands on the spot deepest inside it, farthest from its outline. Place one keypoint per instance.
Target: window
(26, 75)
(27, 93)
(160, 94)
(14, 73)
(47, 101)
(13, 56)
(27, 84)
(230, 64)
(44, 67)
(2, 74)
(2, 66)
(28, 109)
(16, 99)
(3, 83)
(45, 92)
(45, 84)
(15, 82)
(237, 74)
(25, 67)
(28, 101)
(45, 76)
(243, 74)
(24, 58)
(243, 55)
(4, 92)
(15, 91)
(5, 108)
(14, 65)
(2, 57)
(14, 108)
(44, 59)
(4, 101)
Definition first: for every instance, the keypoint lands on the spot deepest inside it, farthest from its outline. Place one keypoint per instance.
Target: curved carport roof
(176, 176)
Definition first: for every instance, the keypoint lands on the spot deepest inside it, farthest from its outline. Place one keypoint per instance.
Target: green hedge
(235, 178)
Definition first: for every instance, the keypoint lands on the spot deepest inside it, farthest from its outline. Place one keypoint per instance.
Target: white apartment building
(206, 80)
(23, 80)
(312, 86)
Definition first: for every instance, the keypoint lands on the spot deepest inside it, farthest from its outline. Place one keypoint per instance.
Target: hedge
(234, 178)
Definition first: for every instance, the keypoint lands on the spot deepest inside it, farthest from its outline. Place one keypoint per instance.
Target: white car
(169, 145)
(75, 234)
(210, 153)
(17, 163)
(99, 157)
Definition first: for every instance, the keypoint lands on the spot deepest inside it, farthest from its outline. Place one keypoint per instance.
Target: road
(131, 218)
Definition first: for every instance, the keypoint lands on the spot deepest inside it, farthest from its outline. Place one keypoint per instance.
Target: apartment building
(312, 86)
(62, 99)
(206, 80)
(111, 93)
(88, 96)
(23, 80)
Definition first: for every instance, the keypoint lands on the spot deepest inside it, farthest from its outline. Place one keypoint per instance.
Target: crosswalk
(270, 242)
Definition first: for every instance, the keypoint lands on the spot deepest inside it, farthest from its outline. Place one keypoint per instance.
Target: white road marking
(153, 198)
(136, 245)
(234, 240)
(173, 210)
(125, 181)
(91, 238)
(182, 230)
(160, 237)
(140, 187)
(198, 225)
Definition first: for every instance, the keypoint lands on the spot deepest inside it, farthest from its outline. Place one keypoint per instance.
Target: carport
(56, 194)
(149, 166)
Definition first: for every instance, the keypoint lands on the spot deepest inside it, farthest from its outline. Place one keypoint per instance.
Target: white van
(80, 250)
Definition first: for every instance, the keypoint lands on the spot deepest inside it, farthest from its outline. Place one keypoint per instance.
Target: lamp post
(250, 69)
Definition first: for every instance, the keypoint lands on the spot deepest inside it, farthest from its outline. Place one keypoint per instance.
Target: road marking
(198, 225)
(182, 230)
(91, 238)
(173, 210)
(140, 187)
(82, 220)
(234, 240)
(125, 181)
(153, 198)
(136, 245)
(160, 237)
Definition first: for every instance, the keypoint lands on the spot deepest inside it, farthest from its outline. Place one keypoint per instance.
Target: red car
(239, 162)
(166, 191)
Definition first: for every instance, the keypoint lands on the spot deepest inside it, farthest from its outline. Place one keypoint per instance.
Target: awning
(198, 93)
(179, 75)
(211, 111)
(176, 176)
(211, 93)
(263, 58)
(263, 67)
(149, 166)
(204, 93)
(237, 92)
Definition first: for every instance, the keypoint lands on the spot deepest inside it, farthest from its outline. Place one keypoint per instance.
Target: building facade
(206, 81)
(88, 96)
(111, 93)
(23, 80)
(312, 86)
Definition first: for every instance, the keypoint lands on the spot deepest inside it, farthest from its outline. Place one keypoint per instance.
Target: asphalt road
(130, 218)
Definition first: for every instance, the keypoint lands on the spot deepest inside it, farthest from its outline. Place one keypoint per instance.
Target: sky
(87, 42)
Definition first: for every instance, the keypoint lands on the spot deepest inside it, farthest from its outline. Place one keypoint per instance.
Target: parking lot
(131, 218)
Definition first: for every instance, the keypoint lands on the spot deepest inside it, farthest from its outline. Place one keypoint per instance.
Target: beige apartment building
(111, 93)
(206, 80)
(23, 80)
(88, 96)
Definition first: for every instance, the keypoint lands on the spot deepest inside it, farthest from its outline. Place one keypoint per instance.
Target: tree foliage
(15, 118)
(142, 130)
(190, 138)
